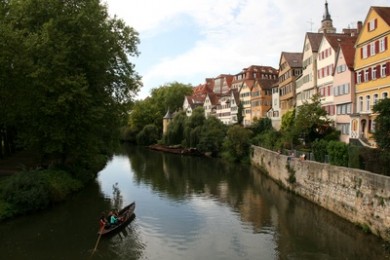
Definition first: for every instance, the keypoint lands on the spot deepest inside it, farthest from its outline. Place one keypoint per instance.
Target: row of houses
(350, 70)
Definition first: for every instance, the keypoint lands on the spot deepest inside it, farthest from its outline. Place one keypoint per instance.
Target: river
(187, 208)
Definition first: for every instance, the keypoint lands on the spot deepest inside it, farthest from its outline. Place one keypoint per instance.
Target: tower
(326, 23)
(166, 120)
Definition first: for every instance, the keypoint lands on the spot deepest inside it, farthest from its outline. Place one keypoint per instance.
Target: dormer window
(372, 25)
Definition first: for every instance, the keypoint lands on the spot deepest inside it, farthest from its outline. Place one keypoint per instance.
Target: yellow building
(372, 71)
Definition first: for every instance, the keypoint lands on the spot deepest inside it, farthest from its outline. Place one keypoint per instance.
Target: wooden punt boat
(126, 214)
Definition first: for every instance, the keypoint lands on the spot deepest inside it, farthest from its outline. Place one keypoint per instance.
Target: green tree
(212, 136)
(240, 114)
(149, 135)
(74, 70)
(338, 153)
(171, 95)
(237, 144)
(192, 128)
(152, 109)
(382, 122)
(175, 133)
(311, 120)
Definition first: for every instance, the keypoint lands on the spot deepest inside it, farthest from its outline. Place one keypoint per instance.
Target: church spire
(326, 14)
(327, 23)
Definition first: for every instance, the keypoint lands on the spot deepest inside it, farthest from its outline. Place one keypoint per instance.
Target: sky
(188, 41)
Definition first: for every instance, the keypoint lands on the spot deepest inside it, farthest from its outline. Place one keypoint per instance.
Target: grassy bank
(28, 191)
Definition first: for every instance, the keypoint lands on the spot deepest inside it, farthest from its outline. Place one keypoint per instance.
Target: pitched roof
(294, 59)
(335, 39)
(383, 12)
(348, 50)
(315, 40)
(266, 83)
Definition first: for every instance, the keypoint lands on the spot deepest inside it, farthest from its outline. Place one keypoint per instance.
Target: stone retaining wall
(359, 196)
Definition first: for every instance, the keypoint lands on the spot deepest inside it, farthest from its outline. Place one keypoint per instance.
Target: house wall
(359, 196)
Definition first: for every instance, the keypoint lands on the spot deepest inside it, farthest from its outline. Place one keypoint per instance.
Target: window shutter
(369, 74)
(368, 50)
(376, 23)
(376, 46)
(388, 69)
(361, 52)
(355, 74)
(385, 42)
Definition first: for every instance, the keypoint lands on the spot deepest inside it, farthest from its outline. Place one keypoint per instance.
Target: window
(359, 77)
(384, 95)
(372, 49)
(372, 25)
(373, 73)
(360, 104)
(364, 51)
(341, 68)
(344, 109)
(367, 103)
(375, 99)
(365, 75)
(343, 128)
(383, 44)
(383, 70)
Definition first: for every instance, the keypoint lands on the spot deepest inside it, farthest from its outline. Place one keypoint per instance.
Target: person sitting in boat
(103, 221)
(114, 218)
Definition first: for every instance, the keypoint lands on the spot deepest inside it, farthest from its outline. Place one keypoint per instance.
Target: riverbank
(27, 188)
(358, 196)
(175, 150)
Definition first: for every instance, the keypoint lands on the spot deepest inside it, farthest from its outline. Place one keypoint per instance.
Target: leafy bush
(149, 135)
(319, 150)
(237, 144)
(26, 191)
(31, 191)
(338, 153)
(60, 184)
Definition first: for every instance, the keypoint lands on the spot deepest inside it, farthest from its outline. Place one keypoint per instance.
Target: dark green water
(187, 208)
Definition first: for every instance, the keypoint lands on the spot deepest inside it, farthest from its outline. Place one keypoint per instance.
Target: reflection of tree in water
(117, 199)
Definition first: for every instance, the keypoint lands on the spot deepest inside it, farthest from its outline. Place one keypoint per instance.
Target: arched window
(367, 103)
(360, 104)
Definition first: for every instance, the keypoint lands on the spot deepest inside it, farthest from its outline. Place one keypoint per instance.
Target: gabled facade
(196, 99)
(344, 89)
(261, 98)
(210, 104)
(290, 67)
(307, 85)
(222, 84)
(274, 112)
(372, 70)
(244, 83)
(227, 107)
(326, 59)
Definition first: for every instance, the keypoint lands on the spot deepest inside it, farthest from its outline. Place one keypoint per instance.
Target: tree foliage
(66, 70)
(212, 136)
(338, 153)
(237, 144)
(152, 109)
(382, 131)
(311, 120)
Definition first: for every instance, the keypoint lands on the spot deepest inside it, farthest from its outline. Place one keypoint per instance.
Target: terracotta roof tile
(383, 12)
(294, 59)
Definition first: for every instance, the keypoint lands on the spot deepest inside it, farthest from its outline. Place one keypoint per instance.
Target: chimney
(359, 26)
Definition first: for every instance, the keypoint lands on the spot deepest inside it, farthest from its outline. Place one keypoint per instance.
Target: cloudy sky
(190, 40)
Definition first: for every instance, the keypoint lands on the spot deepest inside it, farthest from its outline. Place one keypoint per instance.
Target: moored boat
(125, 214)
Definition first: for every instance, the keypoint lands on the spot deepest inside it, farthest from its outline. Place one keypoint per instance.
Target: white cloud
(234, 33)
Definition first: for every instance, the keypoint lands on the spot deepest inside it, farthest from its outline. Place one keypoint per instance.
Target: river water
(187, 208)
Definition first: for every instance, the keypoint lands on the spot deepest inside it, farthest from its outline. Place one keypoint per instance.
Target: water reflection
(187, 208)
